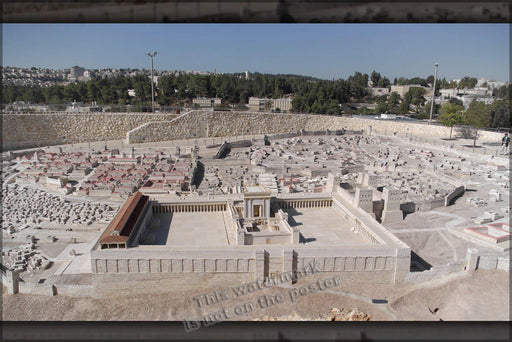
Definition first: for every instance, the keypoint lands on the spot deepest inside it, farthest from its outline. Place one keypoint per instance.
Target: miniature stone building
(392, 212)
(251, 236)
(256, 202)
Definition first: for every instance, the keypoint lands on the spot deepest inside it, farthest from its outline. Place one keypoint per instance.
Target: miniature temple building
(256, 202)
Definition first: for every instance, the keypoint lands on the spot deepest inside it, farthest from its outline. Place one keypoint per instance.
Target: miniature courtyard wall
(36, 288)
(385, 259)
(476, 260)
(74, 290)
(10, 279)
(374, 232)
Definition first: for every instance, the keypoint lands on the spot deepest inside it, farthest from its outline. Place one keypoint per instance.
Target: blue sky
(321, 50)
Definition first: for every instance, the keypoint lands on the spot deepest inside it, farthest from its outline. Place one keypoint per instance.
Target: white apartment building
(378, 91)
(206, 101)
(402, 90)
(284, 104)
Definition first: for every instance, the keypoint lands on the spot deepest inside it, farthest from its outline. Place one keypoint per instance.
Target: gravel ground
(463, 296)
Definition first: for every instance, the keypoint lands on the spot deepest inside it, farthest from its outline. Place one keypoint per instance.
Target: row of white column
(188, 208)
(306, 204)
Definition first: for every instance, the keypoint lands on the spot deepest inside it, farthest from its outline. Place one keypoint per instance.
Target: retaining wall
(378, 264)
(72, 290)
(434, 272)
(37, 289)
(32, 130)
(218, 124)
(10, 280)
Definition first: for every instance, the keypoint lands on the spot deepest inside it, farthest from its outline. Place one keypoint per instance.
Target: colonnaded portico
(255, 234)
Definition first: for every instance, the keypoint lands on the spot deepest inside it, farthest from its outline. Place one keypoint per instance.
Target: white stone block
(380, 262)
(350, 264)
(209, 265)
(198, 265)
(370, 264)
(177, 265)
(360, 264)
(328, 264)
(187, 265)
(220, 265)
(232, 265)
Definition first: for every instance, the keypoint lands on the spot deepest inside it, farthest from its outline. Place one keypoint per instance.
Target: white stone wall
(30, 130)
(219, 124)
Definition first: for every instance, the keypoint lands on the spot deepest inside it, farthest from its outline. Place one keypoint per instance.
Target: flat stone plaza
(325, 227)
(189, 229)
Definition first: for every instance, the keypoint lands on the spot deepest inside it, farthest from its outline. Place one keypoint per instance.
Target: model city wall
(33, 130)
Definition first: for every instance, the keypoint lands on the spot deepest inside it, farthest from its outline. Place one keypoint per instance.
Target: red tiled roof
(125, 220)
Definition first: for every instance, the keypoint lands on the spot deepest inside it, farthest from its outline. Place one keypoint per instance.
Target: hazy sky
(321, 50)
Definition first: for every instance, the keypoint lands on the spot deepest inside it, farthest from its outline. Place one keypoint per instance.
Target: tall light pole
(152, 91)
(433, 95)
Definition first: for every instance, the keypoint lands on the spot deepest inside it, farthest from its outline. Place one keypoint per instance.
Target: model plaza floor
(190, 229)
(324, 226)
(318, 226)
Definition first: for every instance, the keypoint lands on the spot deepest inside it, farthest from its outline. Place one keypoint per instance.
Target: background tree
(358, 83)
(142, 86)
(502, 92)
(424, 113)
(500, 113)
(456, 101)
(467, 83)
(415, 96)
(450, 115)
(444, 84)
(93, 90)
(375, 77)
(383, 82)
(404, 107)
(394, 99)
(382, 107)
(477, 115)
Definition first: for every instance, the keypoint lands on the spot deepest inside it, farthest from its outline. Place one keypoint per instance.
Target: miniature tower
(364, 199)
(370, 180)
(360, 177)
(391, 212)
(332, 182)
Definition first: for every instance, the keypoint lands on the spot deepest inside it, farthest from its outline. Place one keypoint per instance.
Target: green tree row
(102, 91)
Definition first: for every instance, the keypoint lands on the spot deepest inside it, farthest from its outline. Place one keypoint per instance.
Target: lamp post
(152, 91)
(433, 95)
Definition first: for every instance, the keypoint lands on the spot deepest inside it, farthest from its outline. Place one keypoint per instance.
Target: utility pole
(152, 91)
(433, 95)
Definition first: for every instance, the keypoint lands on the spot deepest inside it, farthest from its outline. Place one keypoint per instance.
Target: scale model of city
(190, 203)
